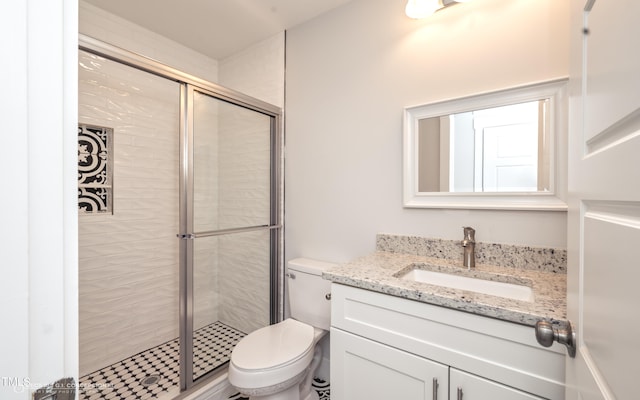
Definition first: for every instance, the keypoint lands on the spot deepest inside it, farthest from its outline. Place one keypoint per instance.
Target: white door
(38, 208)
(510, 158)
(604, 195)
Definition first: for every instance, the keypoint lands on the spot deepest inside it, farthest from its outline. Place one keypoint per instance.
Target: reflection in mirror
(496, 150)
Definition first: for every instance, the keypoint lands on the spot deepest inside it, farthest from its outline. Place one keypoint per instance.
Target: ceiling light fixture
(418, 9)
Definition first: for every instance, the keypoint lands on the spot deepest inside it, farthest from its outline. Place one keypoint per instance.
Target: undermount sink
(474, 284)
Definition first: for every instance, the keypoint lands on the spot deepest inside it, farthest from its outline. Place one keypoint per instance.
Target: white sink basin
(494, 288)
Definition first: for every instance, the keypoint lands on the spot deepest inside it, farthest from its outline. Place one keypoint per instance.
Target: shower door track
(188, 83)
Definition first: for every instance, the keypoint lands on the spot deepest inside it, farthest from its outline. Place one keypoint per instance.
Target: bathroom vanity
(394, 336)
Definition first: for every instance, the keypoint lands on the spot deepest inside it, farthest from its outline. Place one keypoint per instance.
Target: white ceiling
(217, 28)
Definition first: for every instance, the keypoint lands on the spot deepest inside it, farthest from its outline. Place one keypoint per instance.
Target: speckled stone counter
(380, 272)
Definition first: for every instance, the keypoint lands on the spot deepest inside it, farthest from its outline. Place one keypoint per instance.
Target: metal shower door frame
(188, 234)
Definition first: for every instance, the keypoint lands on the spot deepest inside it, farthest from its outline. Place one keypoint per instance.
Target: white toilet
(277, 362)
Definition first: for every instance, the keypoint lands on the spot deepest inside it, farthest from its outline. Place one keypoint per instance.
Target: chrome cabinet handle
(546, 334)
(435, 389)
(459, 393)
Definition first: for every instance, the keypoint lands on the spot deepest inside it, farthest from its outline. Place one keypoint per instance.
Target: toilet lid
(273, 345)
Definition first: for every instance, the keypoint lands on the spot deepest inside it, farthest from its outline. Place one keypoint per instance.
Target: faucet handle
(469, 233)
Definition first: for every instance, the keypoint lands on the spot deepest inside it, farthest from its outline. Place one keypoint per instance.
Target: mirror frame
(553, 200)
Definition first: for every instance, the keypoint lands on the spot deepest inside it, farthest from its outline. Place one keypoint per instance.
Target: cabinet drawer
(465, 386)
(501, 351)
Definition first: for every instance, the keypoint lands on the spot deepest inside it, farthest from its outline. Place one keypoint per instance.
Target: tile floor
(320, 386)
(154, 373)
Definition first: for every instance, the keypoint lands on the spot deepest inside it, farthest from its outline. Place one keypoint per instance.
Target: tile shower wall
(135, 296)
(128, 277)
(257, 71)
(244, 201)
(102, 25)
(206, 211)
(231, 178)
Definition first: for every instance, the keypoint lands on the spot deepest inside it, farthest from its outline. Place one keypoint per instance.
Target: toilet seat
(272, 355)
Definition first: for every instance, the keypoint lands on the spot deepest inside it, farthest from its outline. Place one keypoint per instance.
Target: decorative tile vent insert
(95, 169)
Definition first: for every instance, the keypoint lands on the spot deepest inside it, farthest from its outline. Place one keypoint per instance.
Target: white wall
(350, 73)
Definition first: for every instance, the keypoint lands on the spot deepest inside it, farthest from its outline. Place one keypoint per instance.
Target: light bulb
(421, 8)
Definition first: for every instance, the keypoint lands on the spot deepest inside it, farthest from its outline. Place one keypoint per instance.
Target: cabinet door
(364, 369)
(465, 386)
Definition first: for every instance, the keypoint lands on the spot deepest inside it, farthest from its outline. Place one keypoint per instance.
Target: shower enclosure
(180, 223)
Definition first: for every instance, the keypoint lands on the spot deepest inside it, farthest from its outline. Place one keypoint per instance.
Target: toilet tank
(308, 292)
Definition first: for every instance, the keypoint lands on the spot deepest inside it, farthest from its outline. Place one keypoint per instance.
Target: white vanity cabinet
(386, 347)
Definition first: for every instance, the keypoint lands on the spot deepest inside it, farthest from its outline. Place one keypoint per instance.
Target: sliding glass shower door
(227, 217)
(230, 227)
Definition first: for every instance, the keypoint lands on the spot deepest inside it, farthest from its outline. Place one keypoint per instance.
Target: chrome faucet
(469, 245)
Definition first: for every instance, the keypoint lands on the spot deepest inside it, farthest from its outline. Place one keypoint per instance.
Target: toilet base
(300, 390)
(313, 395)
(293, 393)
(287, 390)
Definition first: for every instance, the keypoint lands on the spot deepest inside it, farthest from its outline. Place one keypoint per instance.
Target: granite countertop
(378, 272)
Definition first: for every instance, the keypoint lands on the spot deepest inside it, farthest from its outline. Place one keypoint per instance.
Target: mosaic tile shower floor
(154, 373)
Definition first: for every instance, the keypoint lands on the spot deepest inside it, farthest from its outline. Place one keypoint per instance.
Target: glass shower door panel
(231, 286)
(232, 192)
(232, 159)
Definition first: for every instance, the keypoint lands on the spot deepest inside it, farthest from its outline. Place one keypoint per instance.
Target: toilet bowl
(277, 362)
(275, 358)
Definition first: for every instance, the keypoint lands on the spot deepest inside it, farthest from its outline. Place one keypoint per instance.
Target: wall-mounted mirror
(497, 150)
